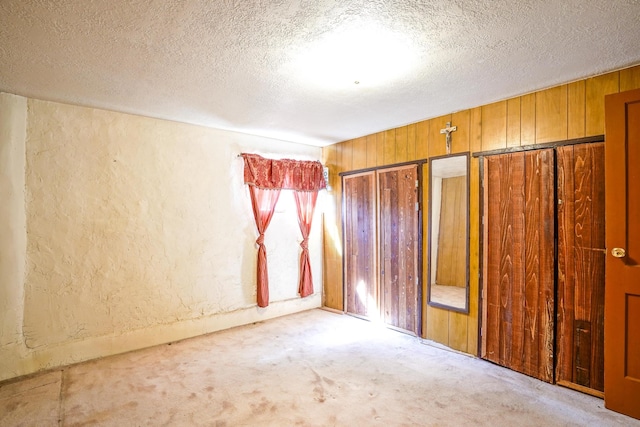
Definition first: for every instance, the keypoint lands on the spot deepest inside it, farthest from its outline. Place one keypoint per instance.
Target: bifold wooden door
(382, 241)
(399, 246)
(544, 304)
(622, 295)
(581, 258)
(360, 244)
(519, 223)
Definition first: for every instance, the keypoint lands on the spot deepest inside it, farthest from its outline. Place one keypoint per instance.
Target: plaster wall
(138, 232)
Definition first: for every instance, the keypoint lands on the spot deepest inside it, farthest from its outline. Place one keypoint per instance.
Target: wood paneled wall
(568, 111)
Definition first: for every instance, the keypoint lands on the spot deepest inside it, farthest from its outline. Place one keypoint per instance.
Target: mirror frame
(430, 237)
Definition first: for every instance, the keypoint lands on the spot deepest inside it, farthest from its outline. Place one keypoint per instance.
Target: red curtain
(266, 177)
(305, 204)
(263, 203)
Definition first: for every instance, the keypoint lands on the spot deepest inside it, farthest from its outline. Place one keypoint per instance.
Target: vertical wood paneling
(422, 138)
(528, 119)
(380, 145)
(332, 261)
(425, 245)
(401, 144)
(581, 259)
(411, 142)
(438, 325)
(490, 127)
(475, 129)
(437, 141)
(474, 254)
(458, 330)
(345, 153)
(460, 138)
(551, 115)
(630, 78)
(372, 151)
(452, 243)
(513, 122)
(359, 153)
(389, 150)
(576, 114)
(596, 89)
(494, 126)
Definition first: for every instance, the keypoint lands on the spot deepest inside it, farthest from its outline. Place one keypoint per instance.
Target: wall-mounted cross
(448, 131)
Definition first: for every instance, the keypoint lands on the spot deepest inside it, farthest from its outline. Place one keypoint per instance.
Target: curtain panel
(266, 177)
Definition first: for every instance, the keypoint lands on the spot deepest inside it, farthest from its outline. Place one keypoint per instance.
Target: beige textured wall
(140, 232)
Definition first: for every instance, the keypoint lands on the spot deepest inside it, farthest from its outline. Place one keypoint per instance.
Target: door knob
(618, 252)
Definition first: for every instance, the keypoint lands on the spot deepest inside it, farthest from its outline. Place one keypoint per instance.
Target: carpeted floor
(314, 368)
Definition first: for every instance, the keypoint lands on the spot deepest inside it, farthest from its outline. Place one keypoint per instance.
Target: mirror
(448, 272)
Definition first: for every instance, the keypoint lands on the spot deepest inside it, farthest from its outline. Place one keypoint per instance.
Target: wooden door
(581, 259)
(518, 303)
(622, 288)
(360, 273)
(399, 221)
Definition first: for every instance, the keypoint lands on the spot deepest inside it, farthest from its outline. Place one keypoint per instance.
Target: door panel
(581, 259)
(519, 260)
(399, 247)
(622, 287)
(360, 244)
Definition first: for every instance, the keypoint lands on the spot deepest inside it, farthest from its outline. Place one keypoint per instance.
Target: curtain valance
(285, 174)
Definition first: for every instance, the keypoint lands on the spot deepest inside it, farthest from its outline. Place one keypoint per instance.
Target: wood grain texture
(519, 282)
(596, 89)
(401, 144)
(438, 325)
(551, 114)
(581, 259)
(359, 153)
(380, 147)
(372, 151)
(576, 109)
(474, 255)
(475, 129)
(528, 119)
(389, 150)
(630, 78)
(425, 250)
(422, 139)
(452, 236)
(494, 126)
(360, 244)
(399, 246)
(345, 155)
(332, 260)
(411, 142)
(513, 122)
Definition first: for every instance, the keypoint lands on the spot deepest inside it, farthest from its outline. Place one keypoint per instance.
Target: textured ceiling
(242, 65)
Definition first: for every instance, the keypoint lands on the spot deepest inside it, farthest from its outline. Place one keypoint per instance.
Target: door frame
(420, 194)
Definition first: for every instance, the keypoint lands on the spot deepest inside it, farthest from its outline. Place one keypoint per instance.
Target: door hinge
(417, 206)
(417, 183)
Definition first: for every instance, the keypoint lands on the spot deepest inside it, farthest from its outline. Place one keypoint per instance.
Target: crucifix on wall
(448, 131)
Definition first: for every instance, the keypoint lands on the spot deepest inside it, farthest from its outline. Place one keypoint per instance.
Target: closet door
(399, 225)
(360, 272)
(519, 218)
(581, 260)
